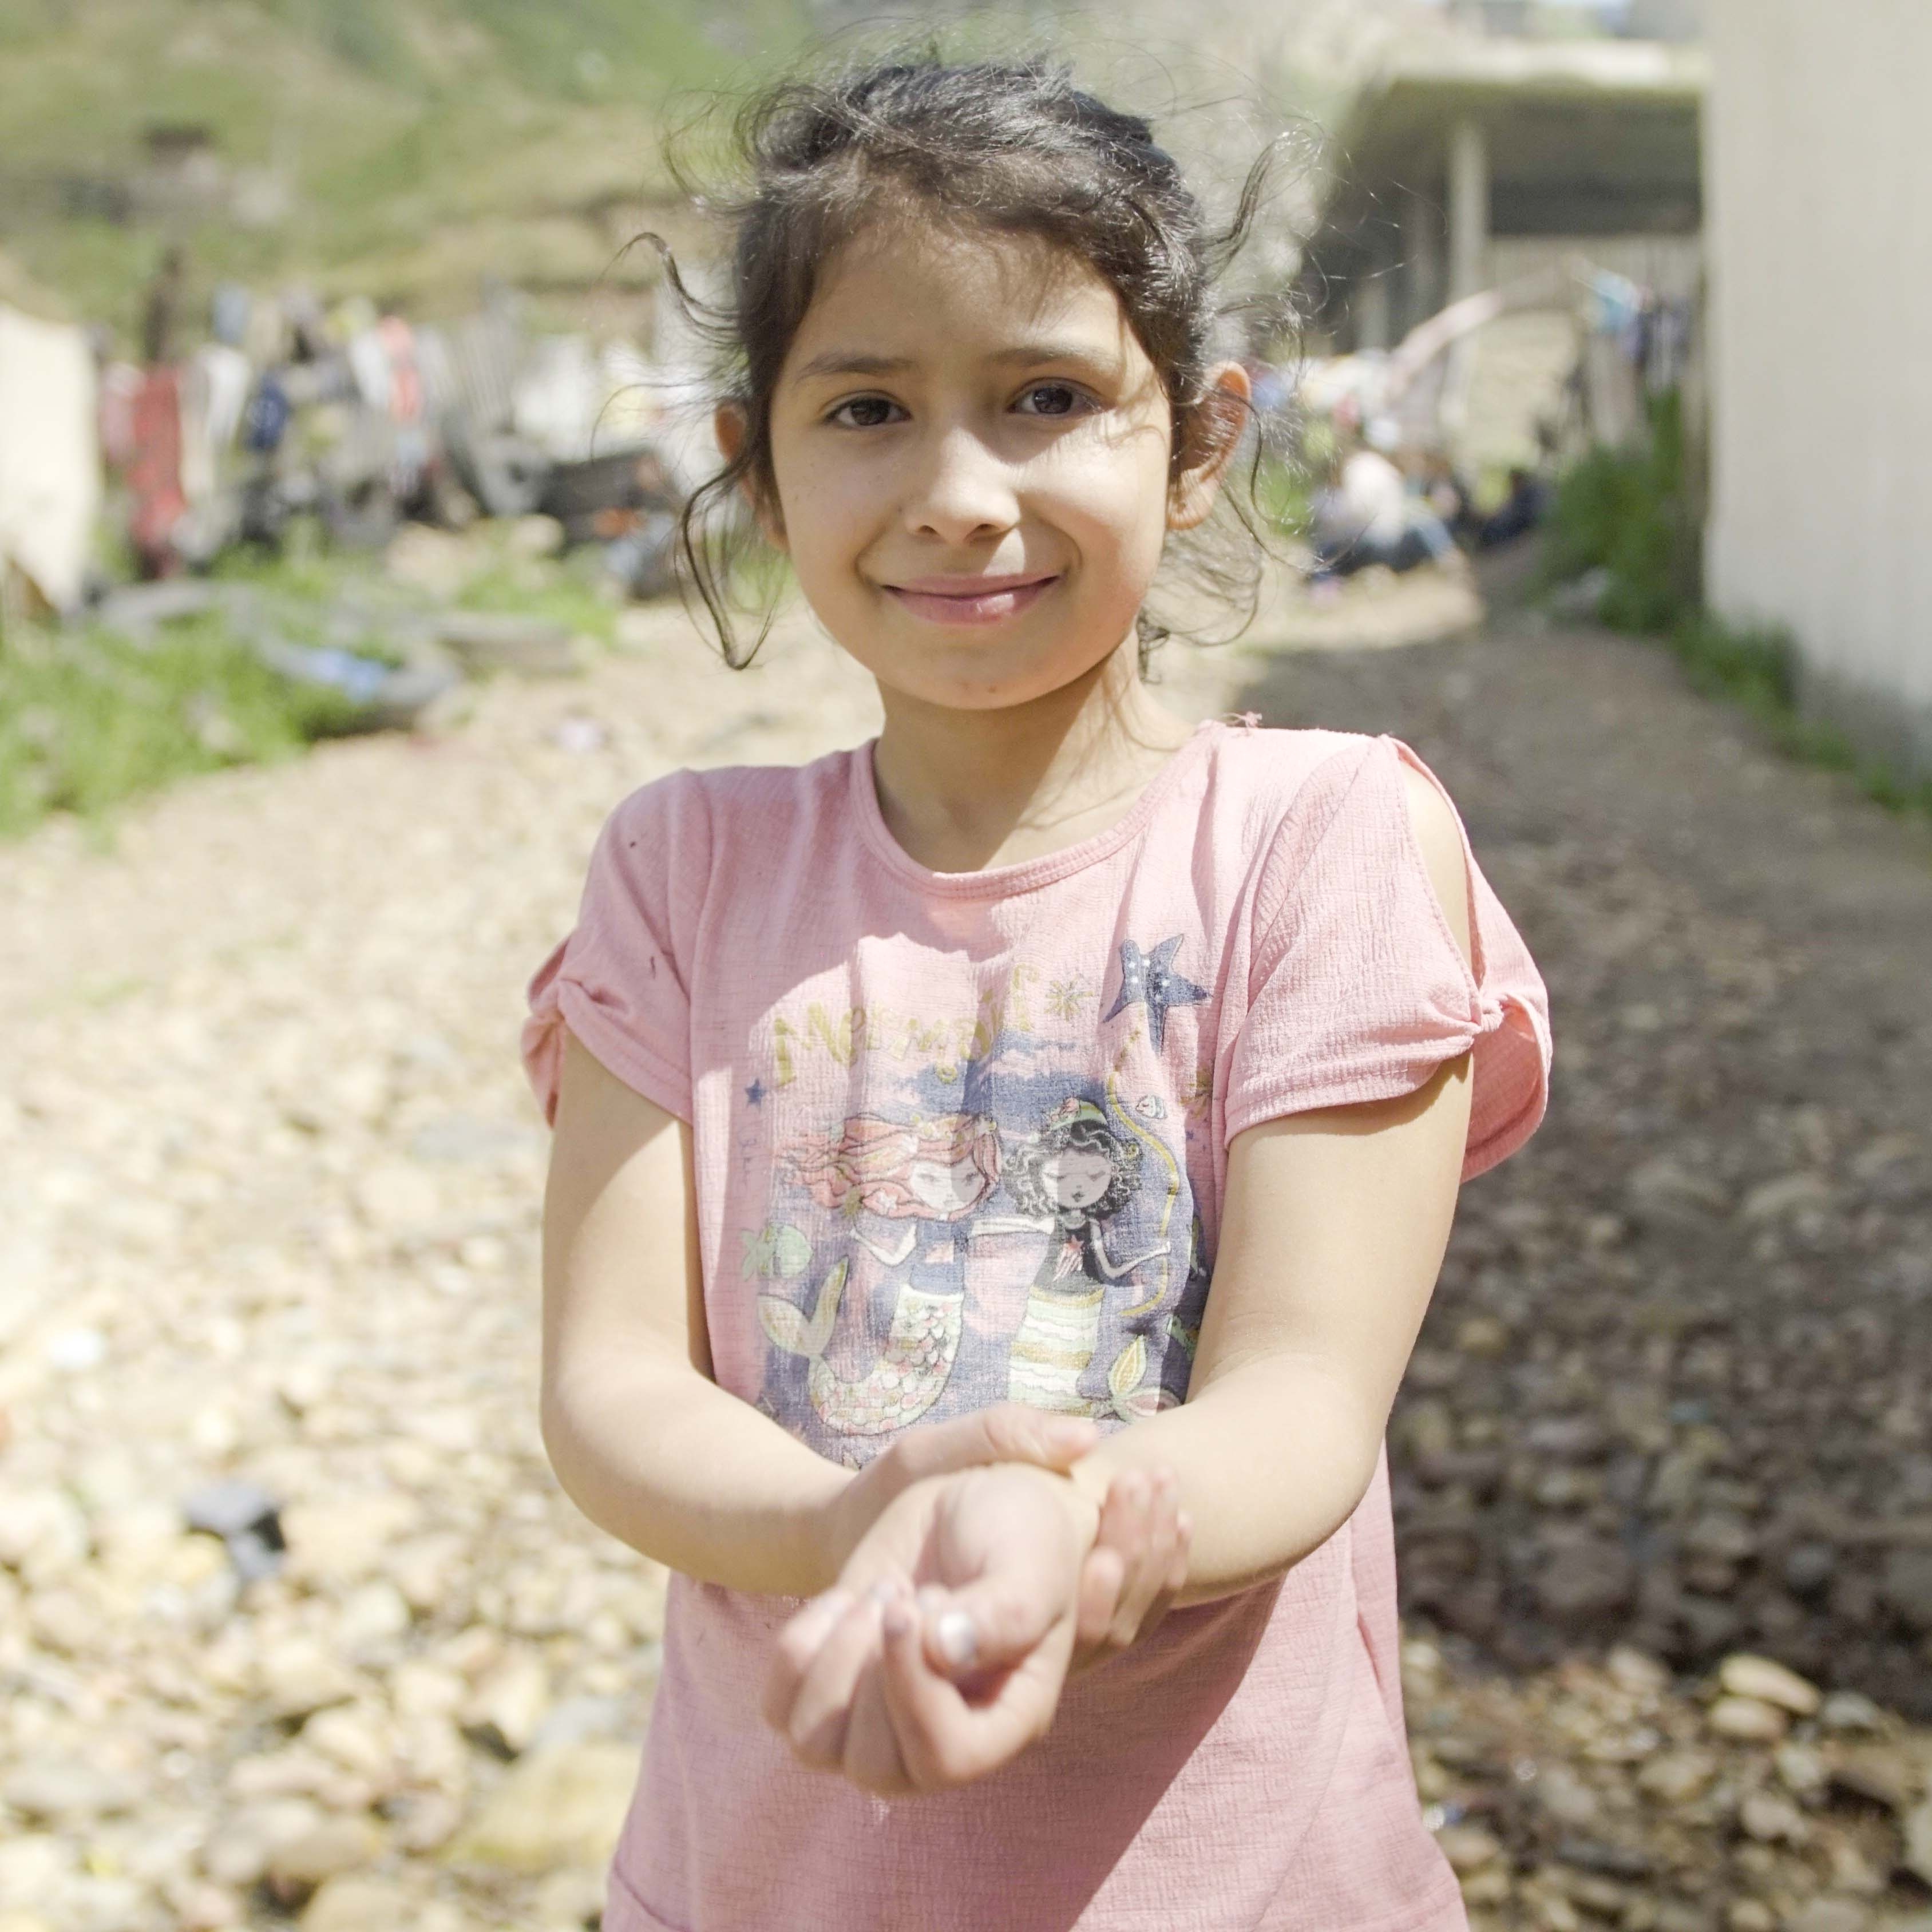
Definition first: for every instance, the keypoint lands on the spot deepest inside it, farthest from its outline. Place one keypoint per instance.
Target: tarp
(49, 453)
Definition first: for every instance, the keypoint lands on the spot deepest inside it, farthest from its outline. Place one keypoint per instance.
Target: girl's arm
(642, 1440)
(1332, 1236)
(1333, 1232)
(650, 1448)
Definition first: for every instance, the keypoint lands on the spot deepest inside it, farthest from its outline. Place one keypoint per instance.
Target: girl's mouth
(969, 600)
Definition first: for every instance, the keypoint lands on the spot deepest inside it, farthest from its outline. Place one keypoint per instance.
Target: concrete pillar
(1422, 239)
(1468, 210)
(1373, 326)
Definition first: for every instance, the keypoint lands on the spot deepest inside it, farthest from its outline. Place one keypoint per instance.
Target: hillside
(398, 148)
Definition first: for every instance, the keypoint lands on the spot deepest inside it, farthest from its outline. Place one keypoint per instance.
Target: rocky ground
(268, 1258)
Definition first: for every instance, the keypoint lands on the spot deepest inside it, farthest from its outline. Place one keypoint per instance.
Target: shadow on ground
(1676, 1387)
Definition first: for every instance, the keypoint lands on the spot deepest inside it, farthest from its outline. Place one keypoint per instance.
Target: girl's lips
(970, 600)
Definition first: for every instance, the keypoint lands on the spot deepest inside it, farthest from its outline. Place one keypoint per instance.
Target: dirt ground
(272, 1184)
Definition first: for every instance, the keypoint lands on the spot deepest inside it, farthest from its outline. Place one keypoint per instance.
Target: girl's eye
(866, 412)
(1051, 399)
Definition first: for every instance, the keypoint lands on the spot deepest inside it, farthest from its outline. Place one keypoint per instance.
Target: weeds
(89, 720)
(1625, 514)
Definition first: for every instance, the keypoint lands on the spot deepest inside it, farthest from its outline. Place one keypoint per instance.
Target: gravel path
(271, 1218)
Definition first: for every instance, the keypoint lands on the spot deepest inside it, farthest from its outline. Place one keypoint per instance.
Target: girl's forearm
(672, 1465)
(1271, 1461)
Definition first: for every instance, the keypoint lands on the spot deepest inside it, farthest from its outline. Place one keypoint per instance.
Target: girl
(974, 395)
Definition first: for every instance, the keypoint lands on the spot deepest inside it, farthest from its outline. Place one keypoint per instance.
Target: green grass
(88, 721)
(1627, 513)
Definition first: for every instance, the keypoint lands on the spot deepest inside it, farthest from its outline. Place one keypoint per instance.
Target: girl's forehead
(914, 292)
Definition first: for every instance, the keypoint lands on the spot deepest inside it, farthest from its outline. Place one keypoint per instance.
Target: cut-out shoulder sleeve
(619, 982)
(1359, 991)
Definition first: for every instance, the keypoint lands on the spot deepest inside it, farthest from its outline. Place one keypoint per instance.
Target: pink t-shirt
(961, 1138)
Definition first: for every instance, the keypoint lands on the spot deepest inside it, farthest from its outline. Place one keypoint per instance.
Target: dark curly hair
(1026, 1185)
(1016, 148)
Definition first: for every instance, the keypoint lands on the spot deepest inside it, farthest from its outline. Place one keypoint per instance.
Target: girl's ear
(729, 426)
(1214, 427)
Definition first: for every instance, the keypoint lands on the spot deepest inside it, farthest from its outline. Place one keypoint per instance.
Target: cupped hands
(941, 1652)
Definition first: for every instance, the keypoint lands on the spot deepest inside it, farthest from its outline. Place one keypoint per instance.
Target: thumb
(988, 1625)
(1015, 1432)
(1010, 1431)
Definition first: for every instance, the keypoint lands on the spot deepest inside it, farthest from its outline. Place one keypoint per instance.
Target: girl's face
(946, 1188)
(1076, 1177)
(971, 451)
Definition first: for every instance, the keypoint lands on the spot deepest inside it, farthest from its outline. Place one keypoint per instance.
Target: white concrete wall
(1819, 168)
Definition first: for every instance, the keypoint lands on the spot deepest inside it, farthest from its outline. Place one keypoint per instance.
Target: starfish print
(755, 1093)
(1149, 979)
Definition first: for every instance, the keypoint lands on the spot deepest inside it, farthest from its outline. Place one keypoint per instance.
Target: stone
(535, 536)
(68, 1791)
(208, 1908)
(1564, 1796)
(1917, 1827)
(1772, 1819)
(1590, 1579)
(346, 1904)
(1748, 1720)
(1636, 1671)
(560, 1806)
(577, 1719)
(42, 1535)
(1770, 1683)
(1676, 1777)
(298, 1864)
(1750, 1914)
(32, 1866)
(299, 1677)
(510, 1704)
(1809, 1567)
(432, 561)
(1801, 1769)
(247, 1519)
(372, 1618)
(1830, 1915)
(1468, 1848)
(353, 1739)
(238, 1851)
(425, 1821)
(1850, 1711)
(420, 1689)
(1882, 1773)
(1907, 1586)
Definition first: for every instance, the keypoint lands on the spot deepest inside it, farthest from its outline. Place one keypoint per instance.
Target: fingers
(988, 1625)
(1101, 1577)
(1010, 1431)
(946, 1738)
(1137, 1565)
(1157, 1506)
(817, 1720)
(799, 1643)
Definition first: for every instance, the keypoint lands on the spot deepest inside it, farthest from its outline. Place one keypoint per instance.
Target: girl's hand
(986, 1620)
(1009, 1432)
(942, 1653)
(1137, 1565)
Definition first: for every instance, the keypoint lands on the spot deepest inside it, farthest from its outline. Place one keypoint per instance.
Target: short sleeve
(618, 981)
(1358, 990)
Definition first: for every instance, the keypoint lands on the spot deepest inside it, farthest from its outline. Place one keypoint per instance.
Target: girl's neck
(961, 790)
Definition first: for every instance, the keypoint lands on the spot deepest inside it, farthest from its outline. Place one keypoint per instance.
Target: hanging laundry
(153, 472)
(49, 455)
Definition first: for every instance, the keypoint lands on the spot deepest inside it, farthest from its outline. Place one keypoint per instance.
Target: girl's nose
(962, 490)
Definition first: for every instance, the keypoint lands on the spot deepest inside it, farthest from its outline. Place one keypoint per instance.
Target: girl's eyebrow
(855, 362)
(850, 362)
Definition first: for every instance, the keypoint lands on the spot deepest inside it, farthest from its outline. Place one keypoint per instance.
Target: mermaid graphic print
(933, 1171)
